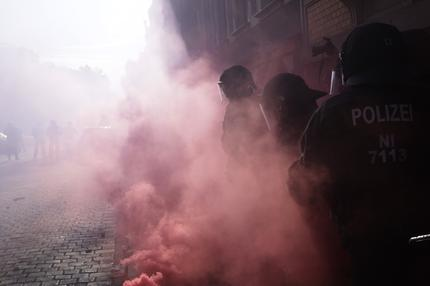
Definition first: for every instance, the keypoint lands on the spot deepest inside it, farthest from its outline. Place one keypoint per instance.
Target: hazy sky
(98, 33)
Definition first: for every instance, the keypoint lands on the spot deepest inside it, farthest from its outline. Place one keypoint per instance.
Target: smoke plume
(33, 92)
(191, 215)
(145, 280)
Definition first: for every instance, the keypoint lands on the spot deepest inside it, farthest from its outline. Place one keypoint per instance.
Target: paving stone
(102, 283)
(60, 277)
(68, 281)
(72, 271)
(7, 282)
(55, 272)
(101, 276)
(36, 274)
(81, 275)
(90, 270)
(46, 278)
(50, 283)
(85, 280)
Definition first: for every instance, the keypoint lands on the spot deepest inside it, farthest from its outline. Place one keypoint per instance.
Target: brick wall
(326, 18)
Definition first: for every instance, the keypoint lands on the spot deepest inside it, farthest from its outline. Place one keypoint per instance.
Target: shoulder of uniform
(344, 96)
(332, 106)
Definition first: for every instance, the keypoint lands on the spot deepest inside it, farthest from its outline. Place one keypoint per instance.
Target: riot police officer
(243, 125)
(363, 158)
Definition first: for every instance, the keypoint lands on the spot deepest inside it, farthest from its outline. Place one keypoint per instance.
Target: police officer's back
(363, 155)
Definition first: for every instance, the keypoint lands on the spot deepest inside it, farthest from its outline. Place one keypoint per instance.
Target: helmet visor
(221, 92)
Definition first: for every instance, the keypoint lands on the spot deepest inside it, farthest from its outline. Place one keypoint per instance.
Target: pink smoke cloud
(145, 280)
(188, 211)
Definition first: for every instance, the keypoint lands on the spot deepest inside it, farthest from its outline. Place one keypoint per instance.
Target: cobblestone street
(54, 230)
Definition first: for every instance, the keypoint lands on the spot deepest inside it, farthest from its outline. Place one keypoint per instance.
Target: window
(220, 21)
(242, 12)
(257, 6)
(238, 14)
(253, 6)
(265, 3)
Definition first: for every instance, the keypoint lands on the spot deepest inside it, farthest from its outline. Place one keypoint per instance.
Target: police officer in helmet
(243, 124)
(363, 159)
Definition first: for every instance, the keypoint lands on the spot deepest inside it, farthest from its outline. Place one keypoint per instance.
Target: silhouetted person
(289, 103)
(69, 137)
(53, 134)
(13, 141)
(363, 159)
(243, 124)
(39, 142)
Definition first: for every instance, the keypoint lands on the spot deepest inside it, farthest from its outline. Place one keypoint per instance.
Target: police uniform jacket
(364, 154)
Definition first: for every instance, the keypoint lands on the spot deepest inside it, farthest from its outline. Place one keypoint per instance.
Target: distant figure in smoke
(243, 124)
(53, 134)
(69, 137)
(39, 142)
(363, 158)
(13, 141)
(289, 103)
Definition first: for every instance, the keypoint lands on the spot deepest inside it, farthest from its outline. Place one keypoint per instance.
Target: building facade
(272, 36)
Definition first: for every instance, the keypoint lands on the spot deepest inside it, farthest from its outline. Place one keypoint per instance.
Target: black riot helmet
(372, 53)
(288, 94)
(236, 82)
(289, 102)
